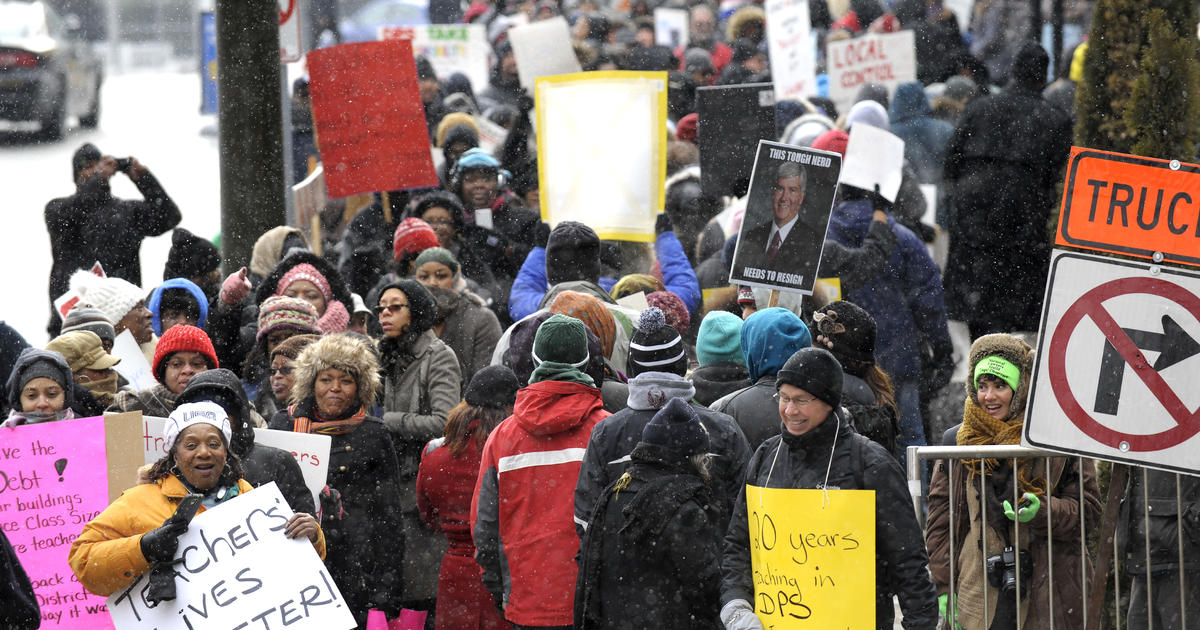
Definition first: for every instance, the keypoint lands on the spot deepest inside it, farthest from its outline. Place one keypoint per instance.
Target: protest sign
(369, 118)
(543, 49)
(309, 200)
(54, 482)
(602, 151)
(813, 555)
(671, 27)
(874, 157)
(237, 569)
(735, 118)
(449, 48)
(133, 366)
(310, 450)
(787, 215)
(793, 59)
(888, 59)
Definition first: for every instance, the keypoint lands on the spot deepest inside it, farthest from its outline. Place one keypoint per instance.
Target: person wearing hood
(183, 352)
(40, 389)
(816, 446)
(1041, 519)
(769, 337)
(195, 259)
(456, 134)
(925, 137)
(657, 364)
(722, 368)
(1001, 193)
(261, 464)
(422, 383)
(177, 301)
(94, 226)
(91, 368)
(651, 555)
(521, 516)
(463, 322)
(269, 249)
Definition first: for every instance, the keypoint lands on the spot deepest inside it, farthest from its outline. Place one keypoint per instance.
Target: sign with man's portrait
(791, 197)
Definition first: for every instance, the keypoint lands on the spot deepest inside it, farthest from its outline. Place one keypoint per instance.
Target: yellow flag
(813, 555)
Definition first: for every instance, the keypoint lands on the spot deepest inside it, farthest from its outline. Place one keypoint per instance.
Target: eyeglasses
(282, 371)
(799, 402)
(390, 308)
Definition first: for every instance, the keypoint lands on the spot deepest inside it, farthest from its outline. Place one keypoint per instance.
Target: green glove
(943, 605)
(1026, 513)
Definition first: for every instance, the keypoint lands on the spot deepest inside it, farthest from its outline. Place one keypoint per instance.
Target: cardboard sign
(450, 48)
(310, 450)
(309, 199)
(1128, 204)
(787, 215)
(237, 569)
(543, 49)
(133, 366)
(369, 118)
(602, 151)
(889, 59)
(793, 60)
(874, 157)
(733, 119)
(671, 27)
(813, 557)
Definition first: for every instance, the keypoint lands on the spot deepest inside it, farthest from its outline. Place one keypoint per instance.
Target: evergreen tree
(1109, 69)
(1163, 113)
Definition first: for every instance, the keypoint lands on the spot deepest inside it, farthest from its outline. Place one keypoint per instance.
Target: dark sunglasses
(282, 371)
(390, 308)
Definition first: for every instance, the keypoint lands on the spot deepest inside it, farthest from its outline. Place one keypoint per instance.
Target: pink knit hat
(336, 317)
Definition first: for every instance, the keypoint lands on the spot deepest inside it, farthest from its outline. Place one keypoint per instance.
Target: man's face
(479, 188)
(702, 23)
(787, 197)
(508, 66)
(428, 89)
(644, 37)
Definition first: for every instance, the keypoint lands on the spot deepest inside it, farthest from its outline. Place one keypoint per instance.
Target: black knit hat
(676, 427)
(84, 155)
(425, 68)
(495, 386)
(655, 346)
(190, 256)
(572, 253)
(849, 333)
(816, 371)
(422, 308)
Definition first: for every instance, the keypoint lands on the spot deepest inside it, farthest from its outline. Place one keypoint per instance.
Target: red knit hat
(833, 140)
(673, 309)
(182, 338)
(688, 128)
(413, 236)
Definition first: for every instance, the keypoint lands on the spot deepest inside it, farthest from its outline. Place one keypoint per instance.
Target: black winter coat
(1164, 521)
(717, 380)
(901, 563)
(20, 610)
(755, 410)
(651, 558)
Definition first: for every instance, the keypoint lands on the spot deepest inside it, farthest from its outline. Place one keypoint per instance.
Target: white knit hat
(113, 296)
(187, 414)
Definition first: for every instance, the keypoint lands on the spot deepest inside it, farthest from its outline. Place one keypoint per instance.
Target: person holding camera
(1013, 527)
(92, 225)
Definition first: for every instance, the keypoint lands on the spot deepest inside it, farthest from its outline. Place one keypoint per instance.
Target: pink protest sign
(53, 480)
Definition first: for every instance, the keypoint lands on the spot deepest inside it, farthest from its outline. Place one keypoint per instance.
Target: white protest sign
(874, 157)
(671, 27)
(962, 12)
(289, 31)
(133, 366)
(888, 59)
(543, 49)
(491, 135)
(309, 196)
(601, 151)
(793, 61)
(449, 47)
(237, 569)
(310, 450)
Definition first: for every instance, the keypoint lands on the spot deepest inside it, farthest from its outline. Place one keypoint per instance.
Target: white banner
(889, 59)
(793, 60)
(237, 569)
(874, 157)
(449, 47)
(671, 27)
(543, 49)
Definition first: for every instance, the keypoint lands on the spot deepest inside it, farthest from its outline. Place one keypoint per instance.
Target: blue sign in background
(208, 63)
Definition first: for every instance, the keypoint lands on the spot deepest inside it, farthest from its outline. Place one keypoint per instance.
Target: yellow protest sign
(813, 558)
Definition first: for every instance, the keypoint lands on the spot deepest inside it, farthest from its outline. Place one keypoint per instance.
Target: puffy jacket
(521, 515)
(788, 461)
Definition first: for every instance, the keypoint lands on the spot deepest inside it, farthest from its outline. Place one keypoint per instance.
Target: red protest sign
(370, 121)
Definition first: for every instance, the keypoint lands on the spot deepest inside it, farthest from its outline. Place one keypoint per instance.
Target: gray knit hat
(87, 317)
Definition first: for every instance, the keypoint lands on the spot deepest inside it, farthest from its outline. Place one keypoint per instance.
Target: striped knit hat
(413, 236)
(85, 317)
(655, 346)
(279, 311)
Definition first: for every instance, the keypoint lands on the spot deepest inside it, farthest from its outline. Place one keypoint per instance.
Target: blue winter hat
(156, 298)
(769, 338)
(477, 159)
(720, 339)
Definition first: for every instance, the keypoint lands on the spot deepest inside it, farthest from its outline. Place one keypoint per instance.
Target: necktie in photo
(774, 248)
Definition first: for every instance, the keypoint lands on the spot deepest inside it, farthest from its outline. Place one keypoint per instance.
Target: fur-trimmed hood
(1008, 347)
(353, 354)
(741, 18)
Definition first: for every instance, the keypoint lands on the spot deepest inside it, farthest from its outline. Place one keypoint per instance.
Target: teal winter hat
(719, 339)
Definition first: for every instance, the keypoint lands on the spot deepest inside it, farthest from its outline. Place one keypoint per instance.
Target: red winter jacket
(522, 514)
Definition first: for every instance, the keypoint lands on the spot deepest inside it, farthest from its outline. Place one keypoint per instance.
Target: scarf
(980, 429)
(305, 420)
(555, 371)
(104, 390)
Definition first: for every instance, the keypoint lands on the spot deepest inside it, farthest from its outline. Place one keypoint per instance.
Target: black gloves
(662, 224)
(525, 102)
(542, 235)
(159, 545)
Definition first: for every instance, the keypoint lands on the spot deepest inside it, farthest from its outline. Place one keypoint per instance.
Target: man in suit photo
(779, 243)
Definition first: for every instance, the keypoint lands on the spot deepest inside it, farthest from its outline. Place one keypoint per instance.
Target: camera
(123, 164)
(1002, 571)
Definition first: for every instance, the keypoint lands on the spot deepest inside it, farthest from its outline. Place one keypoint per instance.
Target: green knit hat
(561, 339)
(437, 254)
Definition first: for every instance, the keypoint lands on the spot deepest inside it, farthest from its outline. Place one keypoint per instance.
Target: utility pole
(251, 131)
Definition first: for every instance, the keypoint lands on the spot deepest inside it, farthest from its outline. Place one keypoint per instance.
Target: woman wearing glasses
(421, 380)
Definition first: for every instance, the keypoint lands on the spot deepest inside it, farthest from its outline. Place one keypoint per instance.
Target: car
(47, 72)
(365, 24)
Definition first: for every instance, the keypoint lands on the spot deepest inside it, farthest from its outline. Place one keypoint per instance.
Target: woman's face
(200, 454)
(442, 223)
(278, 336)
(995, 396)
(393, 313)
(800, 411)
(435, 274)
(181, 367)
(44, 395)
(336, 392)
(307, 291)
(282, 377)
